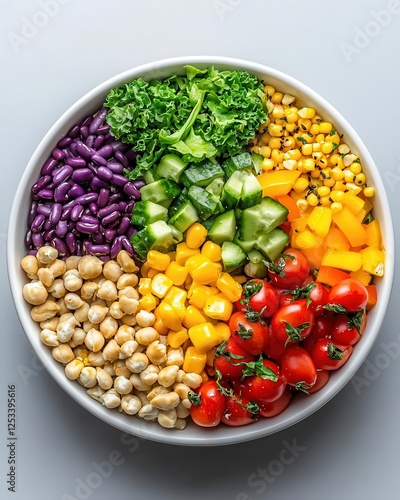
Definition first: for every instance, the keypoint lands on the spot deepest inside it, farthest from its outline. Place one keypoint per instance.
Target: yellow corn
(160, 285)
(176, 338)
(306, 239)
(202, 270)
(212, 251)
(183, 252)
(148, 302)
(306, 112)
(193, 317)
(218, 307)
(158, 260)
(229, 287)
(152, 273)
(196, 235)
(176, 273)
(144, 286)
(194, 362)
(369, 192)
(169, 316)
(144, 270)
(223, 331)
(203, 337)
(176, 296)
(160, 327)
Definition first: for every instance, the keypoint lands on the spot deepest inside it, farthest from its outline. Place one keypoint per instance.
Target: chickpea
(35, 293)
(166, 401)
(63, 354)
(149, 375)
(94, 340)
(156, 352)
(127, 349)
(148, 412)
(78, 337)
(123, 385)
(193, 380)
(87, 325)
(167, 418)
(121, 369)
(73, 301)
(129, 292)
(156, 391)
(180, 424)
(167, 375)
(107, 291)
(137, 362)
(46, 255)
(81, 314)
(182, 411)
(66, 328)
(96, 359)
(45, 276)
(72, 280)
(129, 320)
(57, 289)
(146, 336)
(30, 264)
(124, 334)
(111, 399)
(49, 338)
(96, 393)
(127, 305)
(126, 262)
(127, 280)
(71, 262)
(51, 323)
(116, 311)
(58, 268)
(87, 377)
(62, 306)
(138, 383)
(65, 316)
(181, 389)
(108, 327)
(131, 404)
(73, 369)
(88, 290)
(109, 368)
(112, 271)
(111, 351)
(90, 267)
(44, 311)
(145, 318)
(175, 357)
(142, 396)
(186, 403)
(104, 379)
(97, 313)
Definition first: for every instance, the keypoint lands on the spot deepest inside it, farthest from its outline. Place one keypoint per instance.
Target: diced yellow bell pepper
(361, 215)
(320, 220)
(169, 316)
(374, 235)
(176, 338)
(373, 260)
(351, 227)
(202, 270)
(229, 287)
(300, 224)
(203, 337)
(212, 251)
(158, 260)
(148, 302)
(223, 331)
(160, 285)
(194, 362)
(144, 287)
(362, 276)
(176, 296)
(336, 239)
(193, 317)
(354, 203)
(183, 252)
(306, 239)
(278, 182)
(316, 254)
(196, 235)
(176, 273)
(218, 307)
(342, 259)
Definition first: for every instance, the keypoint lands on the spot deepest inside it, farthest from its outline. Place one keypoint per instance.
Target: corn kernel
(203, 337)
(327, 148)
(218, 308)
(194, 362)
(369, 192)
(312, 200)
(144, 286)
(360, 179)
(196, 235)
(320, 138)
(289, 143)
(267, 164)
(307, 149)
(157, 260)
(323, 191)
(176, 296)
(307, 112)
(277, 97)
(314, 129)
(348, 176)
(325, 127)
(300, 185)
(336, 207)
(309, 164)
(160, 327)
(269, 90)
(355, 167)
(304, 124)
(169, 316)
(176, 338)
(160, 285)
(212, 251)
(265, 151)
(337, 173)
(183, 252)
(328, 181)
(340, 186)
(274, 143)
(193, 317)
(302, 205)
(145, 268)
(334, 159)
(315, 174)
(223, 331)
(277, 156)
(176, 273)
(293, 154)
(278, 111)
(148, 302)
(275, 130)
(337, 196)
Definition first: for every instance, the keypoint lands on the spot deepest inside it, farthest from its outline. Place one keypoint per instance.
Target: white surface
(349, 447)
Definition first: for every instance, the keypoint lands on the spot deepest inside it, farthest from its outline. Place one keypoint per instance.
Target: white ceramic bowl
(300, 408)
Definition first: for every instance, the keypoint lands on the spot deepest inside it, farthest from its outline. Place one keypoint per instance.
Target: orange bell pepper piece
(372, 296)
(278, 182)
(288, 202)
(331, 276)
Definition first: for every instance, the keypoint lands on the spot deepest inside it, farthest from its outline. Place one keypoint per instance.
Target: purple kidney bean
(131, 191)
(47, 225)
(89, 218)
(116, 247)
(32, 212)
(44, 209)
(127, 245)
(115, 167)
(84, 131)
(106, 152)
(28, 238)
(90, 141)
(130, 231)
(78, 249)
(87, 227)
(73, 132)
(97, 184)
(84, 150)
(58, 154)
(49, 235)
(122, 206)
(87, 198)
(76, 191)
(71, 226)
(64, 142)
(76, 212)
(103, 198)
(37, 240)
(129, 207)
(99, 142)
(76, 162)
(93, 208)
(71, 242)
(47, 194)
(131, 155)
(123, 226)
(110, 234)
(104, 173)
(58, 244)
(55, 213)
(61, 174)
(104, 130)
(103, 212)
(48, 166)
(62, 228)
(118, 146)
(98, 250)
(115, 198)
(112, 217)
(86, 121)
(67, 153)
(61, 192)
(119, 156)
(66, 213)
(99, 160)
(138, 184)
(98, 120)
(98, 238)
(118, 180)
(82, 175)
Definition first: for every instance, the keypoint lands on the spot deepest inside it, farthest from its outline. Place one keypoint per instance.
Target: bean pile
(82, 203)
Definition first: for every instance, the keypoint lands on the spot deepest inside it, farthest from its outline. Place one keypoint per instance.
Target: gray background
(350, 448)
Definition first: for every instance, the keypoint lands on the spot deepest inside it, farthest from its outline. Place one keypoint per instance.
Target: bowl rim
(210, 437)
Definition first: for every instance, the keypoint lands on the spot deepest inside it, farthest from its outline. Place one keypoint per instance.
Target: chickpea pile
(89, 315)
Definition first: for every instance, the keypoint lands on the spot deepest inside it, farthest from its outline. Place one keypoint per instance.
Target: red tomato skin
(349, 293)
(265, 301)
(235, 415)
(268, 410)
(296, 271)
(319, 296)
(321, 381)
(211, 408)
(254, 344)
(257, 389)
(345, 334)
(323, 361)
(298, 367)
(227, 369)
(273, 349)
(322, 329)
(296, 314)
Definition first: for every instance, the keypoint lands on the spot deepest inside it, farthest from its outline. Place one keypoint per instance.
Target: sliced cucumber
(272, 244)
(185, 216)
(247, 245)
(149, 176)
(203, 201)
(170, 167)
(201, 174)
(216, 187)
(257, 160)
(178, 202)
(232, 191)
(223, 228)
(237, 163)
(156, 236)
(147, 212)
(251, 191)
(232, 256)
(262, 218)
(162, 192)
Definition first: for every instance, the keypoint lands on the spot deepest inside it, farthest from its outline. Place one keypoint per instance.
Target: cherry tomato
(290, 270)
(292, 323)
(208, 405)
(272, 348)
(315, 294)
(350, 294)
(298, 368)
(267, 383)
(344, 330)
(273, 408)
(228, 358)
(285, 298)
(249, 335)
(237, 411)
(329, 355)
(322, 328)
(260, 297)
(322, 380)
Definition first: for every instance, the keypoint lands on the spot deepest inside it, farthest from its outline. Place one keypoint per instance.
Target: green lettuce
(207, 113)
